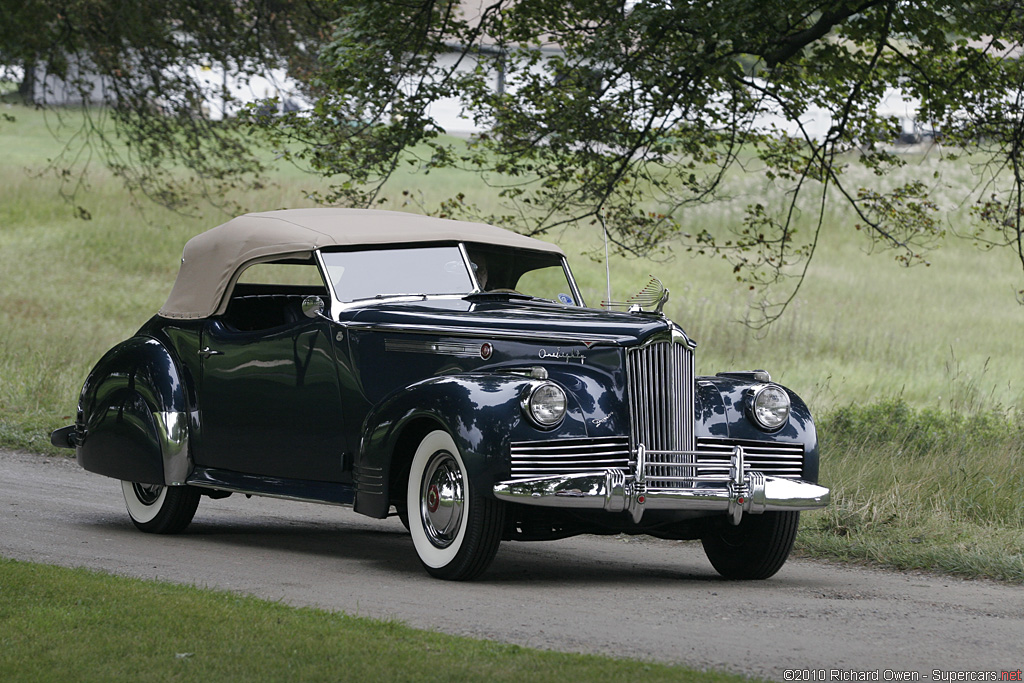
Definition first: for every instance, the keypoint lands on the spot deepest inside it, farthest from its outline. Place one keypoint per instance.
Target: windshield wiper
(378, 297)
(494, 295)
(511, 295)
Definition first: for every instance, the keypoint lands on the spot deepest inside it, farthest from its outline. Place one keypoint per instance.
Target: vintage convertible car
(449, 373)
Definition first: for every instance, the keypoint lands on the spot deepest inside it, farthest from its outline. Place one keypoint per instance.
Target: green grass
(922, 489)
(60, 624)
(934, 351)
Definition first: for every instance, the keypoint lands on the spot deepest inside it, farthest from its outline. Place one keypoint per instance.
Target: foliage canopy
(616, 113)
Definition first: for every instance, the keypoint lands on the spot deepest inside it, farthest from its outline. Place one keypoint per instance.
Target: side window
(269, 295)
(293, 274)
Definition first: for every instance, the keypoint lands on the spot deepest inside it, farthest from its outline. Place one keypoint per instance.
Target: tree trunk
(27, 87)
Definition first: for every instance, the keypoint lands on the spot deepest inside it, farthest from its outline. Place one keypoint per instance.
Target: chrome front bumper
(734, 492)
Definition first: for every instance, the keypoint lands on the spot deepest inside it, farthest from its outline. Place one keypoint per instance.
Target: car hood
(510, 318)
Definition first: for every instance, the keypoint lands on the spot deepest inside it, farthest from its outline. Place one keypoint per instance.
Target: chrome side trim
(444, 347)
(173, 429)
(741, 491)
(368, 480)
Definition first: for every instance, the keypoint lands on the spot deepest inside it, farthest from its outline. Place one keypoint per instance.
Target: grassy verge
(77, 625)
(922, 489)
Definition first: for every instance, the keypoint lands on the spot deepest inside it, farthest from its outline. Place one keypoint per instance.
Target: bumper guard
(740, 490)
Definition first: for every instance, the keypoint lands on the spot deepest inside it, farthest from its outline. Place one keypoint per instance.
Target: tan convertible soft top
(210, 260)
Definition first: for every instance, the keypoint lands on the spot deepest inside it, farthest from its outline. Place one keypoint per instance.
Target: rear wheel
(455, 530)
(756, 548)
(160, 509)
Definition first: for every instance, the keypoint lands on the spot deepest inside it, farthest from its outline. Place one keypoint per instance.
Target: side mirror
(312, 306)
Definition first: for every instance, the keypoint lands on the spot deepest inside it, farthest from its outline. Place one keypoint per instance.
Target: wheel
(756, 548)
(455, 530)
(160, 509)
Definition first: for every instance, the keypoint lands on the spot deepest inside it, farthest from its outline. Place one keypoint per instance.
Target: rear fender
(133, 421)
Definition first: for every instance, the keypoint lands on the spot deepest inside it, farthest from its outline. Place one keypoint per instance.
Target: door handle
(206, 352)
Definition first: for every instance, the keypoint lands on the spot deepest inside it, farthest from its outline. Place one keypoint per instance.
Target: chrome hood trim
(493, 334)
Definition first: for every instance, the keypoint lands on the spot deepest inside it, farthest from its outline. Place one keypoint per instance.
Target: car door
(269, 401)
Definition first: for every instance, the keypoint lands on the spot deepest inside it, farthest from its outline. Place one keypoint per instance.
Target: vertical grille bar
(661, 404)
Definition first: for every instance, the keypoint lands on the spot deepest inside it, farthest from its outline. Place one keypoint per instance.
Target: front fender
(722, 412)
(133, 416)
(481, 412)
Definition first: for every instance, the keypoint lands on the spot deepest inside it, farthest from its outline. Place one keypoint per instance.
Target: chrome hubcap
(442, 500)
(147, 493)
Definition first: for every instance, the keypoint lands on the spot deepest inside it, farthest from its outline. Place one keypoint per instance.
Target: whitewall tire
(160, 509)
(455, 531)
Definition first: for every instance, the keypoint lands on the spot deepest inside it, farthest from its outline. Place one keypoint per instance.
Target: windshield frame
(337, 304)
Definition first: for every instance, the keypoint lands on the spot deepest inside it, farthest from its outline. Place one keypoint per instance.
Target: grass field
(933, 351)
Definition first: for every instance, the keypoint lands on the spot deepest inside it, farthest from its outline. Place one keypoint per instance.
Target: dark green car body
(294, 391)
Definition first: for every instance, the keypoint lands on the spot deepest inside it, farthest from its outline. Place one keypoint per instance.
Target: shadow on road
(386, 546)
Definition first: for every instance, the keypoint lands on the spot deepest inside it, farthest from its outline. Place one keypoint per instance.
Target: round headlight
(770, 406)
(545, 404)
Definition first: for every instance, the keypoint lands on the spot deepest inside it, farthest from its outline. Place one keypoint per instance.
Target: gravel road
(639, 597)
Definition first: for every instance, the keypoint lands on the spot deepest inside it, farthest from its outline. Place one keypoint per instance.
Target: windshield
(436, 270)
(531, 273)
(381, 273)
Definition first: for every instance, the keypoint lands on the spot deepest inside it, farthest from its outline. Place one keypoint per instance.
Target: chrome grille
(661, 410)
(568, 456)
(773, 458)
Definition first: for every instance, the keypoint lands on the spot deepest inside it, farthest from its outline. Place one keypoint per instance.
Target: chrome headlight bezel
(769, 407)
(545, 404)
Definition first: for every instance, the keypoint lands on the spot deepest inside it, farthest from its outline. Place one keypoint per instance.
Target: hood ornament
(650, 299)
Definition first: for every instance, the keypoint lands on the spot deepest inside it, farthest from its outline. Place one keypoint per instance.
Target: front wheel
(756, 548)
(159, 509)
(456, 531)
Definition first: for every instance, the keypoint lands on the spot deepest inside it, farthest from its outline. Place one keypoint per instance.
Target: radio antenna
(607, 264)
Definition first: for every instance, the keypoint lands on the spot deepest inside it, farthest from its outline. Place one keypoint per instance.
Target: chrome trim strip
(548, 455)
(368, 480)
(531, 459)
(441, 347)
(173, 431)
(331, 293)
(492, 334)
(720, 444)
(572, 283)
(571, 442)
(773, 458)
(568, 459)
